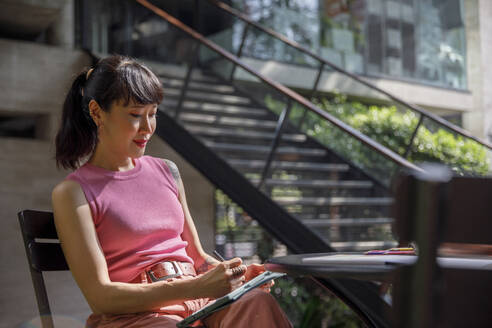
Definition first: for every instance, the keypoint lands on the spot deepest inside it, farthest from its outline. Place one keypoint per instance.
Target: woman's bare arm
(203, 261)
(87, 263)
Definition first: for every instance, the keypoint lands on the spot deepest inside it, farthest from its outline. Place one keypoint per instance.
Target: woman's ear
(95, 112)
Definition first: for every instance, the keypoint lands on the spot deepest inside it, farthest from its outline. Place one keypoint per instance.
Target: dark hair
(112, 79)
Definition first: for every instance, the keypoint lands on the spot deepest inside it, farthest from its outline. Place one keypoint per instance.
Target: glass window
(420, 40)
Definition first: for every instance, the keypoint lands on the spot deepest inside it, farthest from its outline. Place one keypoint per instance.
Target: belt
(165, 270)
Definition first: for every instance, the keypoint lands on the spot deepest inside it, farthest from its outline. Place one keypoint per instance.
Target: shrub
(393, 129)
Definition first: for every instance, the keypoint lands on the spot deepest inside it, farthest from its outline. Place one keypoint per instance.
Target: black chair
(431, 209)
(44, 253)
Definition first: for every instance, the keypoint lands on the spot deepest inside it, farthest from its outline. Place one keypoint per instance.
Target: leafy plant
(308, 305)
(393, 128)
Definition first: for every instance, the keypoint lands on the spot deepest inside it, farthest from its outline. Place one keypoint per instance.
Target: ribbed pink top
(137, 215)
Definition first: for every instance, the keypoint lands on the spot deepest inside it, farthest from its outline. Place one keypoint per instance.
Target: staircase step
(335, 201)
(319, 223)
(325, 216)
(228, 121)
(264, 149)
(294, 166)
(177, 83)
(233, 133)
(318, 183)
(201, 107)
(207, 96)
(180, 74)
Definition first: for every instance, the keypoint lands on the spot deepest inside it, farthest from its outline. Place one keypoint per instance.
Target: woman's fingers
(238, 271)
(237, 282)
(233, 262)
(234, 272)
(234, 267)
(254, 270)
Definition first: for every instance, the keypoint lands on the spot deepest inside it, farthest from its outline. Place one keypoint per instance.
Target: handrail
(284, 90)
(320, 59)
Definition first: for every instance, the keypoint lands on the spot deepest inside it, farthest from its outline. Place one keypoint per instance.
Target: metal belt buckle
(177, 269)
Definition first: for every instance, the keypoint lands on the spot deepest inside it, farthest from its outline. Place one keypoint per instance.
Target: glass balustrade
(416, 40)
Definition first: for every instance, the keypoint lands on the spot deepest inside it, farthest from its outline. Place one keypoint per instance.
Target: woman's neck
(110, 161)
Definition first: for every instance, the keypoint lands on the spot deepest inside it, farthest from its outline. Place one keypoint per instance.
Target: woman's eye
(139, 115)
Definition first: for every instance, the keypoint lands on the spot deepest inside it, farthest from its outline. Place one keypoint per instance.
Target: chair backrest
(431, 209)
(43, 252)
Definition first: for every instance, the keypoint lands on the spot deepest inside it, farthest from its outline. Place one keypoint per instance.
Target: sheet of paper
(358, 259)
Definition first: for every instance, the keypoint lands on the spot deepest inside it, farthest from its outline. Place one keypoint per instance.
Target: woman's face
(126, 130)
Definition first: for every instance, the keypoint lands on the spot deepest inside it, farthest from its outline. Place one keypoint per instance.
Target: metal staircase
(338, 201)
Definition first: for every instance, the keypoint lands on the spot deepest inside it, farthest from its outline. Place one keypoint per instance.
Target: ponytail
(77, 135)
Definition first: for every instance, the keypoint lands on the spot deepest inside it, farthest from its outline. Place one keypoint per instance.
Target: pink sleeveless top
(138, 217)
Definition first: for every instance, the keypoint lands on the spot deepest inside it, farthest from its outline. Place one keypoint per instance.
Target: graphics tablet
(233, 296)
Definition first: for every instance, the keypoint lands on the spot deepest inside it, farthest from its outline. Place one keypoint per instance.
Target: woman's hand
(222, 279)
(205, 263)
(253, 271)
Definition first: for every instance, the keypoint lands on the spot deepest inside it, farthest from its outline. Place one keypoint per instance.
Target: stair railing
(323, 62)
(292, 96)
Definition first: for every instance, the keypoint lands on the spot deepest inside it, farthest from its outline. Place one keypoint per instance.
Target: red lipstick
(140, 143)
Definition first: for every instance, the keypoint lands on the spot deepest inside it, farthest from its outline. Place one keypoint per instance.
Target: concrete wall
(28, 176)
(479, 52)
(36, 16)
(34, 74)
(33, 79)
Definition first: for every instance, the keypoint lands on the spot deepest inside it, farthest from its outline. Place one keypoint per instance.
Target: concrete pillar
(62, 32)
(486, 46)
(479, 72)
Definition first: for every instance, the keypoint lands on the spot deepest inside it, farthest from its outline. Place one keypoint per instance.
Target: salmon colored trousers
(257, 308)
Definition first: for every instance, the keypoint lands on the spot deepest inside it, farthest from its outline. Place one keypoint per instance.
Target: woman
(122, 217)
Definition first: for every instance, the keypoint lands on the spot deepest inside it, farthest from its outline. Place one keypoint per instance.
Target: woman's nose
(146, 124)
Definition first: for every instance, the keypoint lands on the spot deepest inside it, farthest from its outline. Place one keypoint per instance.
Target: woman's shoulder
(167, 165)
(67, 188)
(162, 161)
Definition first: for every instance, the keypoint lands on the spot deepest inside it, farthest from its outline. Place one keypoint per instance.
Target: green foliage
(340, 142)
(393, 128)
(308, 305)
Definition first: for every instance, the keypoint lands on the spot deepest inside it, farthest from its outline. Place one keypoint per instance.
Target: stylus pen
(218, 256)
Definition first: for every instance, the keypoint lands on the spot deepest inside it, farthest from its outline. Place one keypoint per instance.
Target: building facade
(427, 52)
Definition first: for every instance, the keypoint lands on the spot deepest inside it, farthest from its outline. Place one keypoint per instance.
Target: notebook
(230, 298)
